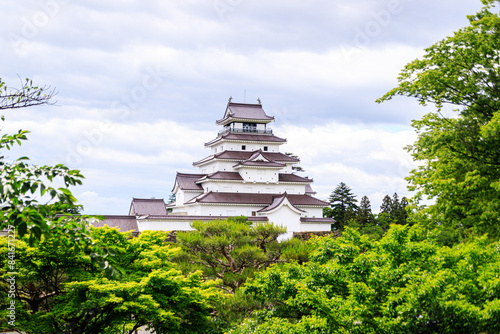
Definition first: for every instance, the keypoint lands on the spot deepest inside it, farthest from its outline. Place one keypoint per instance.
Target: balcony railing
(245, 130)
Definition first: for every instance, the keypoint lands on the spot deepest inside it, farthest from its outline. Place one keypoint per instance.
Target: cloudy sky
(141, 83)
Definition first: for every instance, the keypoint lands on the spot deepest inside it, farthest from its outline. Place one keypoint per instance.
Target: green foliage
(459, 153)
(60, 289)
(21, 183)
(343, 206)
(297, 250)
(230, 250)
(404, 283)
(26, 96)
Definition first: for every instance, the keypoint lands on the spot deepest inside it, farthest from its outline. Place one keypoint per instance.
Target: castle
(244, 175)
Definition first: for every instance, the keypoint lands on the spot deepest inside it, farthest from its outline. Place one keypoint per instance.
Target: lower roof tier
(224, 198)
(247, 137)
(186, 181)
(239, 156)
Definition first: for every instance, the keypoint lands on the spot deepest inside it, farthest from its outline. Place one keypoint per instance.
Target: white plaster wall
(250, 187)
(215, 166)
(158, 225)
(179, 197)
(259, 174)
(315, 227)
(227, 210)
(190, 195)
(312, 212)
(288, 218)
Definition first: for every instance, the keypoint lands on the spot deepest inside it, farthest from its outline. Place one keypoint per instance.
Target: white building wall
(215, 166)
(288, 218)
(259, 174)
(315, 227)
(312, 212)
(179, 197)
(228, 210)
(251, 187)
(158, 225)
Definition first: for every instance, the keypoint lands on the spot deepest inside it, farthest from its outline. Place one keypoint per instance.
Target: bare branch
(26, 96)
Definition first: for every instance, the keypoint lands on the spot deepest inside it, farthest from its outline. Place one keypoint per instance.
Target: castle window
(265, 148)
(243, 147)
(249, 127)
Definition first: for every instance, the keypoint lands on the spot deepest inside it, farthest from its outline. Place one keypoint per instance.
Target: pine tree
(386, 205)
(364, 217)
(392, 211)
(342, 206)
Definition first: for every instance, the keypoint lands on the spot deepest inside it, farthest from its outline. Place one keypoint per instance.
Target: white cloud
(306, 60)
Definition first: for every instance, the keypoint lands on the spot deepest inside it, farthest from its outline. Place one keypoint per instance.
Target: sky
(141, 83)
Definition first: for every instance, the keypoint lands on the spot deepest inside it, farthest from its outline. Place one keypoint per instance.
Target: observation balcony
(246, 130)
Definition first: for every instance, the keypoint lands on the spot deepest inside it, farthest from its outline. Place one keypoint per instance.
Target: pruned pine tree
(230, 250)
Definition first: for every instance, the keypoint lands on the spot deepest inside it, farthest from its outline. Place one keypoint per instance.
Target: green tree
(26, 96)
(59, 289)
(230, 250)
(343, 206)
(403, 283)
(459, 150)
(392, 211)
(22, 184)
(365, 220)
(364, 217)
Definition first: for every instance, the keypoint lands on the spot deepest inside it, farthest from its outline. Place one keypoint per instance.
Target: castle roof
(254, 199)
(247, 137)
(188, 181)
(145, 206)
(123, 223)
(244, 112)
(246, 155)
(233, 176)
(279, 201)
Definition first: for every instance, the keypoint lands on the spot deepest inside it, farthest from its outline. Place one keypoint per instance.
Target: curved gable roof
(188, 181)
(245, 111)
(147, 206)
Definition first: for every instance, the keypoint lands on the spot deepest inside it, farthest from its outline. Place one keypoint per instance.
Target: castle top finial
(230, 99)
(258, 100)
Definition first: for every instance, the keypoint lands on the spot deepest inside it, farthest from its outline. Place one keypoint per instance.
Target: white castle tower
(244, 175)
(247, 175)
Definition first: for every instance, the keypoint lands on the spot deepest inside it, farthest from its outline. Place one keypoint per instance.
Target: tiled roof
(245, 111)
(259, 164)
(124, 223)
(247, 137)
(146, 206)
(317, 220)
(254, 199)
(276, 203)
(225, 176)
(245, 155)
(309, 189)
(293, 178)
(188, 181)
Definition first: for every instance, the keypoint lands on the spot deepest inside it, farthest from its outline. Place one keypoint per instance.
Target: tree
(364, 217)
(60, 289)
(459, 153)
(365, 220)
(403, 283)
(230, 250)
(342, 206)
(21, 183)
(26, 96)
